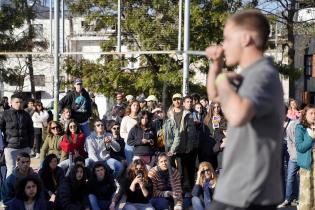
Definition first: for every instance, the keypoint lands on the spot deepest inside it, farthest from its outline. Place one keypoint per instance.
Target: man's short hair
(204, 98)
(31, 100)
(187, 97)
(17, 95)
(23, 155)
(253, 20)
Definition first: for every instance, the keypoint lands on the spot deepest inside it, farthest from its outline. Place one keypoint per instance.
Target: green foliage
(288, 72)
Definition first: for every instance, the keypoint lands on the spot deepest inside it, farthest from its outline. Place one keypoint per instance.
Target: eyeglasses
(204, 171)
(72, 126)
(99, 125)
(115, 128)
(54, 128)
(177, 99)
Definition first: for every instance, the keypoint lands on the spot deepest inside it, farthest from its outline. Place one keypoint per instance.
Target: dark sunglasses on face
(54, 128)
(115, 128)
(98, 125)
(177, 99)
(204, 171)
(72, 126)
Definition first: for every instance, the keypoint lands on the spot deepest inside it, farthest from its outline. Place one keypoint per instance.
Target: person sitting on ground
(52, 142)
(138, 187)
(167, 193)
(80, 161)
(72, 194)
(65, 117)
(204, 187)
(52, 176)
(72, 145)
(114, 128)
(99, 144)
(143, 138)
(22, 170)
(104, 192)
(28, 195)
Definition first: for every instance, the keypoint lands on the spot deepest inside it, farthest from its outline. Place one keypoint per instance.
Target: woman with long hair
(72, 194)
(204, 187)
(52, 176)
(138, 187)
(39, 118)
(128, 122)
(214, 118)
(143, 138)
(304, 138)
(28, 195)
(52, 141)
(293, 110)
(72, 141)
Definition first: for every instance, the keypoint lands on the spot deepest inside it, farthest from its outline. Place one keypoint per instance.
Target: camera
(140, 173)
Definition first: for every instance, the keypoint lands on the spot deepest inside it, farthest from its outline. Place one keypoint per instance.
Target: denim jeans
(160, 203)
(112, 163)
(129, 153)
(98, 204)
(197, 204)
(138, 206)
(85, 128)
(292, 185)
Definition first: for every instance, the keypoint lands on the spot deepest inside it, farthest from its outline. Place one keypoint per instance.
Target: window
(38, 30)
(308, 66)
(39, 80)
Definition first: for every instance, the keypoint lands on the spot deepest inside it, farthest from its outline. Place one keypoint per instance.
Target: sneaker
(294, 202)
(284, 204)
(37, 156)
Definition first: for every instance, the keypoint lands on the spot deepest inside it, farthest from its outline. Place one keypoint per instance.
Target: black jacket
(51, 180)
(135, 136)
(81, 109)
(17, 127)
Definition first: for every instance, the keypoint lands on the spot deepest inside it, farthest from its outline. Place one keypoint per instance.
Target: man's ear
(246, 39)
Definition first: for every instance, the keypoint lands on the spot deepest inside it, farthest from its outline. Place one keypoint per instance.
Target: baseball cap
(151, 98)
(141, 99)
(129, 97)
(177, 95)
(78, 81)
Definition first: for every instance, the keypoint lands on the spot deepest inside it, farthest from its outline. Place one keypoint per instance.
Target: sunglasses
(115, 128)
(204, 171)
(99, 125)
(177, 99)
(72, 126)
(54, 128)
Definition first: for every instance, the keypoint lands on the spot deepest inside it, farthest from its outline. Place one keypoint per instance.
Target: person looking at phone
(143, 138)
(305, 147)
(253, 105)
(99, 144)
(138, 187)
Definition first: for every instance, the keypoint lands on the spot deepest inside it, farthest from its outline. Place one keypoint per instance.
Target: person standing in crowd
(157, 125)
(205, 103)
(167, 189)
(65, 117)
(151, 102)
(304, 137)
(103, 190)
(293, 111)
(215, 119)
(72, 194)
(128, 122)
(129, 98)
(30, 106)
(204, 188)
(142, 102)
(138, 187)
(195, 99)
(72, 145)
(98, 145)
(39, 118)
(52, 176)
(114, 128)
(253, 105)
(95, 115)
(28, 195)
(51, 144)
(292, 181)
(17, 127)
(80, 103)
(143, 138)
(22, 170)
(5, 103)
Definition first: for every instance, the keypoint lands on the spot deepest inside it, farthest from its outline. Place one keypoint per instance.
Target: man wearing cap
(180, 135)
(151, 102)
(80, 103)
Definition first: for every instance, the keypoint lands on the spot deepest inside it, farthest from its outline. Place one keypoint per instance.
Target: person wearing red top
(72, 144)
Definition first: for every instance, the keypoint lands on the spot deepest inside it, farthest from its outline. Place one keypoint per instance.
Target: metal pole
(118, 26)
(62, 26)
(186, 48)
(56, 60)
(51, 26)
(180, 14)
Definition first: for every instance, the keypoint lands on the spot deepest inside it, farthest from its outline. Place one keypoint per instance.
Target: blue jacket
(17, 204)
(304, 145)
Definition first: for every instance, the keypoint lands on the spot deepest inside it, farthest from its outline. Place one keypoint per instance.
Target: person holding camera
(138, 187)
(143, 138)
(204, 186)
(98, 145)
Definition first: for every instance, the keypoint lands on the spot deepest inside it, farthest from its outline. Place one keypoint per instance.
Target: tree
(147, 25)
(12, 16)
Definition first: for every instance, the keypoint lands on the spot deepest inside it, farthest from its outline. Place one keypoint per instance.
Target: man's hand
(215, 54)
(107, 140)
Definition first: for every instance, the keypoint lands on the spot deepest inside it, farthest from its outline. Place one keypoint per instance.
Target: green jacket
(304, 146)
(51, 146)
(181, 139)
